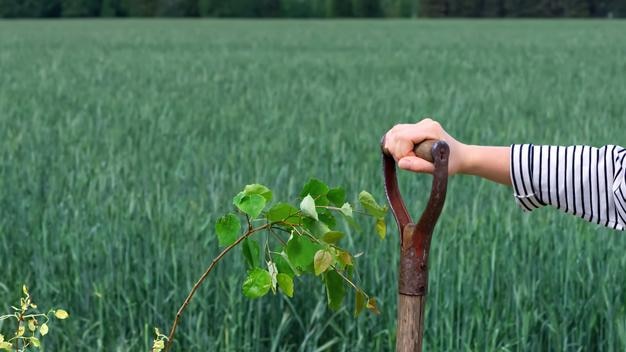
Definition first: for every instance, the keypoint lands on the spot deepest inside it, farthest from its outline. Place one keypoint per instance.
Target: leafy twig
(181, 310)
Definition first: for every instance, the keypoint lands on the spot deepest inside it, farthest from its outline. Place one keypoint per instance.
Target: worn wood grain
(410, 323)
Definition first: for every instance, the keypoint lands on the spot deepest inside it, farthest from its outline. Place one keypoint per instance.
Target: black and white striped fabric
(584, 181)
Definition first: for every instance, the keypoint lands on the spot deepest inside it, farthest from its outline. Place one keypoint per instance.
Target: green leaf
(158, 346)
(322, 201)
(260, 190)
(322, 261)
(335, 291)
(283, 265)
(332, 237)
(61, 314)
(271, 268)
(349, 270)
(370, 205)
(7, 346)
(284, 212)
(327, 217)
(285, 282)
(35, 341)
(344, 258)
(301, 252)
(315, 188)
(346, 209)
(251, 251)
(308, 207)
(381, 228)
(372, 306)
(227, 229)
(257, 284)
(337, 196)
(359, 302)
(316, 228)
(251, 204)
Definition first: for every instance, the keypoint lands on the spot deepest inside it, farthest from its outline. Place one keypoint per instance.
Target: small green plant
(292, 241)
(30, 325)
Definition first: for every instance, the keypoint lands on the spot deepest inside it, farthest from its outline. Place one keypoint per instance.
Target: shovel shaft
(410, 323)
(415, 242)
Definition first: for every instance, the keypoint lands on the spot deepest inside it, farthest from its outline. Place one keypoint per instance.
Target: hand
(400, 140)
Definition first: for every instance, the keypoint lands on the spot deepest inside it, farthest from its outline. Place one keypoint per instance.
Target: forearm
(492, 163)
(581, 180)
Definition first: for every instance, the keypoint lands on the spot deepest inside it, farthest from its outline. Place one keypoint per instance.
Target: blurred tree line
(312, 8)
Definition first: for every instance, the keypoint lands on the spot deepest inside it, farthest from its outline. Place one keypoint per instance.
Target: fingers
(398, 146)
(401, 139)
(415, 164)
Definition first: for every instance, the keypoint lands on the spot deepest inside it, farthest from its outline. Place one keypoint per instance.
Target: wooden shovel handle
(424, 150)
(415, 241)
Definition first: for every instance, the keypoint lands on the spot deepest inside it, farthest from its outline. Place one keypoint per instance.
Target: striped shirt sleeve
(580, 180)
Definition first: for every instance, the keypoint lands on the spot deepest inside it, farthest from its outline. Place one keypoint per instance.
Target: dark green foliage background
(121, 142)
(312, 8)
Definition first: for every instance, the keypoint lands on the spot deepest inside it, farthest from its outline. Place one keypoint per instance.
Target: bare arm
(492, 163)
(580, 180)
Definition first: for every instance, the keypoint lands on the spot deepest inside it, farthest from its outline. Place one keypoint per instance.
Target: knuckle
(398, 128)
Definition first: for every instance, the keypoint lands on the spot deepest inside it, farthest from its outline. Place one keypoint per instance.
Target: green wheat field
(121, 142)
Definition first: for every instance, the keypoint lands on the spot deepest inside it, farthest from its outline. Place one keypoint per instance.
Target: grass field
(121, 141)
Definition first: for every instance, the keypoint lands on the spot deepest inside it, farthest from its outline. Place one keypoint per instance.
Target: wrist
(468, 160)
(488, 162)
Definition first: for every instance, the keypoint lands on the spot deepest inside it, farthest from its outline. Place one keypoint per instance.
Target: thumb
(415, 164)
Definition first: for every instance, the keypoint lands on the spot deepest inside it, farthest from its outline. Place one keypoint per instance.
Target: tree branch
(181, 310)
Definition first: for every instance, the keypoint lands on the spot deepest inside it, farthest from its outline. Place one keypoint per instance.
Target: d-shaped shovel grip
(415, 239)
